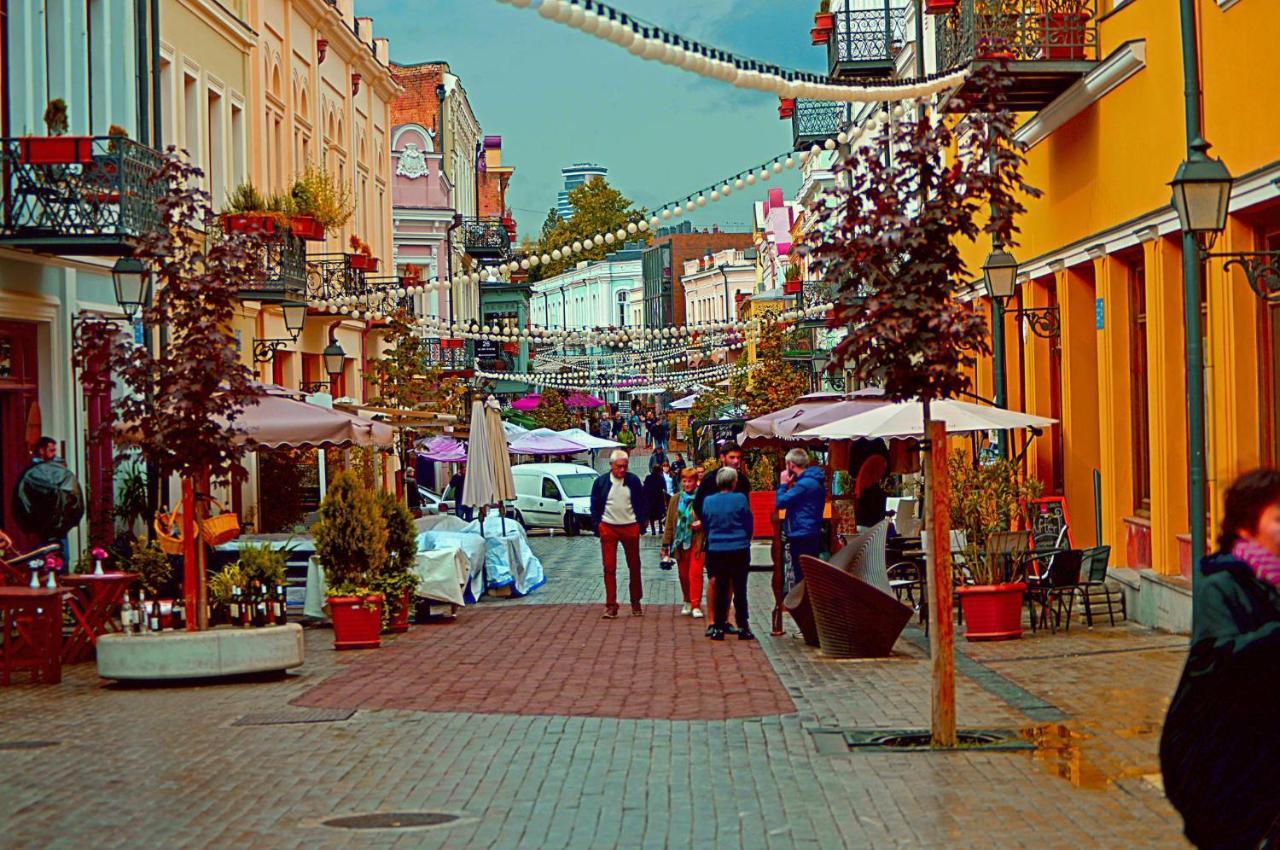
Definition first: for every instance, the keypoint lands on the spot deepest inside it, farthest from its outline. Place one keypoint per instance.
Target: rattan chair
(853, 618)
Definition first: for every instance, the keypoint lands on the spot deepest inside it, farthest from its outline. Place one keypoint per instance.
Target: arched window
(623, 296)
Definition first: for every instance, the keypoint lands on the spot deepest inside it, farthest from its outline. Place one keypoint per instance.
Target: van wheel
(570, 524)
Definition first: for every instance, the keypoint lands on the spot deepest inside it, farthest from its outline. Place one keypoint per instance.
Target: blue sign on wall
(1099, 314)
(139, 333)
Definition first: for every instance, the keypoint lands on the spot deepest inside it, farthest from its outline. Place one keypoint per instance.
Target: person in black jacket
(618, 514)
(655, 497)
(730, 456)
(1220, 748)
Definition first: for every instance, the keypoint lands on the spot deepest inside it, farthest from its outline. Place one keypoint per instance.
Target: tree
(890, 240)
(551, 412)
(772, 383)
(407, 380)
(549, 225)
(597, 208)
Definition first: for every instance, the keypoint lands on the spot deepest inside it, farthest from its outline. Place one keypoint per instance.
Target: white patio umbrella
(480, 487)
(906, 419)
(504, 484)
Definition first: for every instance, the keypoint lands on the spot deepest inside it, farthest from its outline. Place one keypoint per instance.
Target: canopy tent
(683, 403)
(906, 419)
(529, 402)
(544, 441)
(765, 428)
(512, 431)
(587, 441)
(443, 450)
(582, 400)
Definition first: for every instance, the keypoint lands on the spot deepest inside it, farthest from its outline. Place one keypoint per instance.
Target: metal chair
(1094, 577)
(1055, 590)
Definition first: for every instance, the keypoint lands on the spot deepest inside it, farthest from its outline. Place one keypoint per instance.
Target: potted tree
(397, 581)
(824, 23)
(792, 285)
(351, 543)
(57, 148)
(763, 476)
(1066, 24)
(319, 204)
(986, 499)
(247, 212)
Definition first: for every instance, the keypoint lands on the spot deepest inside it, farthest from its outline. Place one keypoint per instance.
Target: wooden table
(31, 632)
(96, 600)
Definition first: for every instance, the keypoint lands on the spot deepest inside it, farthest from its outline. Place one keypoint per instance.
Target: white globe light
(609, 239)
(715, 195)
(534, 261)
(739, 184)
(751, 179)
(777, 167)
(764, 174)
(524, 264)
(643, 225)
(577, 246)
(726, 190)
(621, 233)
(549, 9)
(677, 211)
(575, 17)
(702, 200)
(842, 139)
(655, 221)
(546, 258)
(829, 144)
(690, 206)
(632, 227)
(790, 162)
(555, 254)
(815, 150)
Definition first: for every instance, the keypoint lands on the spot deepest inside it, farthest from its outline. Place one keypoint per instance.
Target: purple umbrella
(543, 442)
(444, 450)
(583, 400)
(529, 402)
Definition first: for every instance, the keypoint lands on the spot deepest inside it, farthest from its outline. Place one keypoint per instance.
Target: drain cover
(391, 820)
(304, 715)
(27, 745)
(917, 740)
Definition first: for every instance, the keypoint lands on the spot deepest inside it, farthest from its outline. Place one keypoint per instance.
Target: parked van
(553, 495)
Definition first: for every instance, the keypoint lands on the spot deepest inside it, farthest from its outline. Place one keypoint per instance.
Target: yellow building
(1102, 250)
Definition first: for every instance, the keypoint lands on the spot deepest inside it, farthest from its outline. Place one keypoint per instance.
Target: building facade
(716, 283)
(662, 265)
(598, 294)
(574, 176)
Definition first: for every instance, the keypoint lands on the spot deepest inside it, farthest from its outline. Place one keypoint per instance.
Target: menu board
(1049, 518)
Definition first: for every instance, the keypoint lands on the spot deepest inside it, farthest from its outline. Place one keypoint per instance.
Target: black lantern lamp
(295, 316)
(1000, 273)
(334, 358)
(1201, 192)
(132, 281)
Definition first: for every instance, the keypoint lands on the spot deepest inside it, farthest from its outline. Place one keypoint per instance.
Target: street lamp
(1000, 273)
(334, 358)
(1201, 190)
(295, 316)
(132, 281)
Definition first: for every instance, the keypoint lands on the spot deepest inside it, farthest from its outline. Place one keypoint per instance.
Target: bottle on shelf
(177, 615)
(282, 605)
(140, 621)
(126, 615)
(259, 605)
(34, 565)
(233, 609)
(153, 620)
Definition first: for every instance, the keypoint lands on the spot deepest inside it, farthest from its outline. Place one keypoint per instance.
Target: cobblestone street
(540, 725)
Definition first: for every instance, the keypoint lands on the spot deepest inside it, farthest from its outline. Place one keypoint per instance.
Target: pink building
(422, 210)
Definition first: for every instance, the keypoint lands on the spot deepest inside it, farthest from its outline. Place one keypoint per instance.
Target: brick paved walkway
(149, 767)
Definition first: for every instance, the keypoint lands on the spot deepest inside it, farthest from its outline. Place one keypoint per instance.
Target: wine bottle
(282, 605)
(140, 621)
(269, 603)
(126, 615)
(153, 622)
(177, 615)
(234, 607)
(259, 605)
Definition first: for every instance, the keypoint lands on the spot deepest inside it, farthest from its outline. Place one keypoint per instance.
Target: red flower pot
(511, 347)
(357, 623)
(56, 150)
(306, 227)
(763, 507)
(792, 287)
(824, 20)
(819, 35)
(360, 262)
(992, 611)
(400, 616)
(939, 7)
(1065, 35)
(786, 107)
(245, 223)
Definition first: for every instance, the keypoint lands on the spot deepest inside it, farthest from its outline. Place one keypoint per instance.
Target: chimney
(346, 8)
(382, 50)
(364, 30)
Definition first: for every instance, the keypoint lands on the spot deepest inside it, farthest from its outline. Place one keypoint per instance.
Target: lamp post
(334, 360)
(1000, 273)
(132, 280)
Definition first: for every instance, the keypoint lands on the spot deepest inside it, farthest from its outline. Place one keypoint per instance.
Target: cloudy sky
(558, 96)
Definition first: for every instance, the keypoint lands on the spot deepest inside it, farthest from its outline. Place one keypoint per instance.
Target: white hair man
(618, 514)
(802, 493)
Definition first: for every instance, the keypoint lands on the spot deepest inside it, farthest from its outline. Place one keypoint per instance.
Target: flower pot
(306, 227)
(400, 614)
(939, 7)
(357, 622)
(792, 287)
(786, 107)
(820, 36)
(1065, 35)
(56, 150)
(250, 223)
(824, 20)
(764, 505)
(992, 611)
(362, 263)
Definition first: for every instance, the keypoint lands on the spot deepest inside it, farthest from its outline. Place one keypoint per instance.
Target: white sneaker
(697, 613)
(686, 609)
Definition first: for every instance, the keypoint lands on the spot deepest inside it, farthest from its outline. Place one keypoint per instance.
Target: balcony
(456, 355)
(486, 238)
(813, 122)
(90, 195)
(866, 41)
(331, 276)
(282, 269)
(1048, 44)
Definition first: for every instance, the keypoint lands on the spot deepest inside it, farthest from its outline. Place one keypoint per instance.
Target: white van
(553, 495)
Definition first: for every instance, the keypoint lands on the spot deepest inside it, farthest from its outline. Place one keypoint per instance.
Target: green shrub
(350, 537)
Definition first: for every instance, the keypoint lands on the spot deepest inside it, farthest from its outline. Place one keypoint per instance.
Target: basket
(220, 529)
(170, 544)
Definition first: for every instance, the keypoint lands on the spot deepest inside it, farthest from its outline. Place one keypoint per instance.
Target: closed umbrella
(504, 484)
(480, 488)
(906, 419)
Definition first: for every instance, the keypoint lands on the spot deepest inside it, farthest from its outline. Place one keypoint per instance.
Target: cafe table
(31, 632)
(97, 596)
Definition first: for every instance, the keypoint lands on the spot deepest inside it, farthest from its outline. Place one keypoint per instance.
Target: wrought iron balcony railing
(93, 195)
(486, 238)
(331, 276)
(452, 359)
(281, 269)
(866, 41)
(1049, 44)
(813, 122)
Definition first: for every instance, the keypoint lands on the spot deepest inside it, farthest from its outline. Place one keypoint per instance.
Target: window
(191, 116)
(217, 171)
(549, 489)
(1138, 385)
(576, 486)
(237, 145)
(166, 102)
(622, 308)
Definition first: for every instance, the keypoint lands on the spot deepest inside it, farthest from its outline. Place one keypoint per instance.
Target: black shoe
(745, 634)
(730, 629)
(710, 630)
(715, 634)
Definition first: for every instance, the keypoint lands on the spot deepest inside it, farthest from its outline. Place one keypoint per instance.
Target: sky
(558, 96)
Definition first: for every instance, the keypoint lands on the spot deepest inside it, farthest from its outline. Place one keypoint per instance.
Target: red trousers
(689, 565)
(629, 537)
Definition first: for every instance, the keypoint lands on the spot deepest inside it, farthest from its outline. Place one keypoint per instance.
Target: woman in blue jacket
(726, 520)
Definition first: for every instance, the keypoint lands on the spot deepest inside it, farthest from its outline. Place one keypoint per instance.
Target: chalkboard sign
(1049, 518)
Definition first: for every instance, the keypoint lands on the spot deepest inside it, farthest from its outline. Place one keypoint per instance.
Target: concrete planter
(227, 651)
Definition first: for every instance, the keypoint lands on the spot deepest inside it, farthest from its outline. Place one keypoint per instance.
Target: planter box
(786, 107)
(357, 623)
(820, 36)
(360, 262)
(56, 150)
(764, 505)
(267, 225)
(1065, 35)
(792, 287)
(939, 7)
(400, 616)
(992, 611)
(306, 227)
(824, 21)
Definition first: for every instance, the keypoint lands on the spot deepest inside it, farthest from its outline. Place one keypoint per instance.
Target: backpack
(47, 500)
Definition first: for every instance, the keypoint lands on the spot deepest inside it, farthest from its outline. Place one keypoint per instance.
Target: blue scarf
(683, 537)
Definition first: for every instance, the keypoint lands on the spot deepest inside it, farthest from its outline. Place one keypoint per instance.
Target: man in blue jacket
(618, 514)
(802, 493)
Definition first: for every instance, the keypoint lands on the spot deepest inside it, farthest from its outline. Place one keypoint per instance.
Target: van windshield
(577, 485)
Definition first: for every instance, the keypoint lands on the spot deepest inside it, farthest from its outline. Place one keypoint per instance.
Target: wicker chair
(797, 605)
(852, 618)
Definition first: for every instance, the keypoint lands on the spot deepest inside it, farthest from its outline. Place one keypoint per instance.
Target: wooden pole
(190, 569)
(202, 554)
(942, 625)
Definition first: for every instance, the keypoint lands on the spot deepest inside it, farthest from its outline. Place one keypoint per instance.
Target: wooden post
(202, 555)
(190, 569)
(942, 625)
(778, 554)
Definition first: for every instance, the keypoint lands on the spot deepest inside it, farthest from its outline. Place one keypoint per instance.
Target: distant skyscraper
(574, 176)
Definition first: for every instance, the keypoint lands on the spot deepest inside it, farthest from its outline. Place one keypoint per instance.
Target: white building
(713, 282)
(606, 293)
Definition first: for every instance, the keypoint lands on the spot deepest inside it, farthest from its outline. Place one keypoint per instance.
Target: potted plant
(247, 212)
(763, 476)
(986, 499)
(361, 257)
(997, 29)
(939, 7)
(1066, 24)
(319, 204)
(351, 543)
(221, 591)
(792, 284)
(824, 22)
(397, 581)
(412, 274)
(57, 148)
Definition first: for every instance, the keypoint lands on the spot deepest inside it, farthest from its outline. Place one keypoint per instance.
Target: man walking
(802, 494)
(48, 501)
(618, 513)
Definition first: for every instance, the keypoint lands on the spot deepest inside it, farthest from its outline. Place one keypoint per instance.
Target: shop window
(1139, 384)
